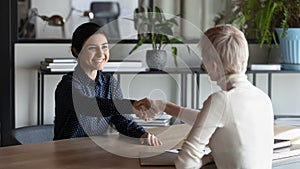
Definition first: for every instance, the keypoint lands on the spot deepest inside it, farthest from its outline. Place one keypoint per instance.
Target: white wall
(197, 15)
(49, 8)
(27, 60)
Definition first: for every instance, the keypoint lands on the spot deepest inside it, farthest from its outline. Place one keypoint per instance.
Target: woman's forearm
(186, 115)
(172, 109)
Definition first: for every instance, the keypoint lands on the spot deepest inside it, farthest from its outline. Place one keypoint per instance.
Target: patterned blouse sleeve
(124, 123)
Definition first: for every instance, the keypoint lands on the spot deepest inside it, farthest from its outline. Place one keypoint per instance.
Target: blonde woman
(236, 123)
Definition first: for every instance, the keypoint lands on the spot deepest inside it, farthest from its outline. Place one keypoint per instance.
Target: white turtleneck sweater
(237, 125)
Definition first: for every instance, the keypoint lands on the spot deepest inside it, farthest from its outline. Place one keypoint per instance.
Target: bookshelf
(183, 73)
(194, 83)
(269, 82)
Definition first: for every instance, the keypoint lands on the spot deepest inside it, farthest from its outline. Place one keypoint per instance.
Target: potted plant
(153, 27)
(270, 21)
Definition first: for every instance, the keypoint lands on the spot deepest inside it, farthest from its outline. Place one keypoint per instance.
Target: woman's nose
(100, 51)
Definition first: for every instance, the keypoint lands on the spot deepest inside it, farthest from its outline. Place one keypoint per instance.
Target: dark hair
(81, 34)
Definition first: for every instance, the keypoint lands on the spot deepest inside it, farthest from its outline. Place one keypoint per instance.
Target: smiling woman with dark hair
(89, 101)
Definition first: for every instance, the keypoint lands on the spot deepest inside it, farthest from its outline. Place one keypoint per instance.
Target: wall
(74, 18)
(285, 94)
(196, 15)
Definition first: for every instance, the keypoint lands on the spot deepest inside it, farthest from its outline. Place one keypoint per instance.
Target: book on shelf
(63, 68)
(281, 150)
(60, 60)
(58, 66)
(124, 69)
(44, 63)
(125, 63)
(265, 67)
(58, 70)
(281, 143)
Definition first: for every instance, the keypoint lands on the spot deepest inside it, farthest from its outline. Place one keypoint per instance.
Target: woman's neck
(92, 74)
(227, 82)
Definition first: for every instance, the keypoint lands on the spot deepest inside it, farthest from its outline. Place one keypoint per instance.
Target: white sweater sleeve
(188, 115)
(206, 123)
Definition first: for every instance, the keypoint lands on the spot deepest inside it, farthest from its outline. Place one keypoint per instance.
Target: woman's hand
(150, 139)
(148, 109)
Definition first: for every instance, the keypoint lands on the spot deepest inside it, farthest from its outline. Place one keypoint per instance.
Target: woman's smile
(99, 60)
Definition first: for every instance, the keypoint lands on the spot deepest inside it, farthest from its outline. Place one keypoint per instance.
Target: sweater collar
(83, 77)
(233, 80)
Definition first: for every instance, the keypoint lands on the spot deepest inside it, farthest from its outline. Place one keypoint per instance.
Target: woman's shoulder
(68, 76)
(219, 94)
(65, 82)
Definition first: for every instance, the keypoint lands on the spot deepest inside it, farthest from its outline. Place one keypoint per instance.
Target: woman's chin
(99, 66)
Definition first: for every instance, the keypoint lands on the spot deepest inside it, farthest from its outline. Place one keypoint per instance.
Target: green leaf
(160, 30)
(158, 14)
(174, 53)
(164, 29)
(140, 42)
(172, 21)
(175, 40)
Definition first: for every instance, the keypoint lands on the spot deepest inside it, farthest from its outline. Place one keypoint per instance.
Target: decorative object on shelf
(54, 20)
(263, 17)
(26, 26)
(153, 27)
(156, 59)
(290, 47)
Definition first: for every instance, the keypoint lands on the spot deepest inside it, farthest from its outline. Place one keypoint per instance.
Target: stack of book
(264, 67)
(68, 64)
(281, 143)
(58, 64)
(124, 66)
(161, 120)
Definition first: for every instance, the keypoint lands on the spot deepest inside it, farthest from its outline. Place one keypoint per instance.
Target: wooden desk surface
(85, 153)
(80, 153)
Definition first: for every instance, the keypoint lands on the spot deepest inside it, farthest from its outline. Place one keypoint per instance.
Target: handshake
(148, 109)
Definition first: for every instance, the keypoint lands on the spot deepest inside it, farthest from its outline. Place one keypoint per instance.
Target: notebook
(157, 159)
(281, 143)
(166, 158)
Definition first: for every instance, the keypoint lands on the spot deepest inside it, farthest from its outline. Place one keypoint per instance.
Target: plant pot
(290, 48)
(156, 59)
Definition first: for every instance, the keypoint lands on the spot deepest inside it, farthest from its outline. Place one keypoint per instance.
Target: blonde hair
(231, 46)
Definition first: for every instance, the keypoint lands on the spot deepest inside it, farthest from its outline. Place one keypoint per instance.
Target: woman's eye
(91, 48)
(105, 47)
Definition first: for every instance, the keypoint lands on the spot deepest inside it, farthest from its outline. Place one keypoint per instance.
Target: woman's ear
(215, 66)
(74, 52)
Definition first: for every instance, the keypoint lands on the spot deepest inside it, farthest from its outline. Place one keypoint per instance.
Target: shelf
(183, 72)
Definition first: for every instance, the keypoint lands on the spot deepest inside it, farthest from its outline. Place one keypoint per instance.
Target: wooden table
(100, 152)
(89, 153)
